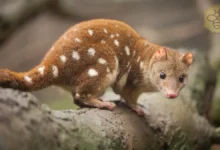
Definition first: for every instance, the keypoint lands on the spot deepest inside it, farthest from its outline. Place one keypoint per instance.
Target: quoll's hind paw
(94, 103)
(108, 105)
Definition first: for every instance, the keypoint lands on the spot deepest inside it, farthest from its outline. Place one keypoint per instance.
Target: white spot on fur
(129, 69)
(102, 61)
(91, 51)
(116, 61)
(55, 71)
(41, 70)
(89, 95)
(65, 37)
(112, 36)
(121, 83)
(90, 32)
(134, 52)
(92, 73)
(146, 43)
(28, 79)
(75, 29)
(78, 40)
(103, 41)
(141, 65)
(128, 64)
(127, 50)
(117, 34)
(77, 96)
(63, 58)
(138, 59)
(107, 69)
(106, 31)
(112, 76)
(116, 71)
(75, 55)
(116, 42)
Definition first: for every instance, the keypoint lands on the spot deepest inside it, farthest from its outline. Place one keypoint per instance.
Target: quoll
(94, 55)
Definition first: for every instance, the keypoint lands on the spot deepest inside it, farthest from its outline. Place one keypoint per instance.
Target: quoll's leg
(89, 86)
(130, 95)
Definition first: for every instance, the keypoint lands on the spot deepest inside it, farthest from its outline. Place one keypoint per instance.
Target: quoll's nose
(171, 94)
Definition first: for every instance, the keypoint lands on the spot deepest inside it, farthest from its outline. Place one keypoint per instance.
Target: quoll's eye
(181, 78)
(162, 75)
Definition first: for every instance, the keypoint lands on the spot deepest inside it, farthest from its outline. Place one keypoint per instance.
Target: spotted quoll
(94, 55)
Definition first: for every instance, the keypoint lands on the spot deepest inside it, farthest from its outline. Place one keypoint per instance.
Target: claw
(108, 105)
(138, 110)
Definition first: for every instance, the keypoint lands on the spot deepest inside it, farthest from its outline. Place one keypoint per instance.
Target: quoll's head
(169, 71)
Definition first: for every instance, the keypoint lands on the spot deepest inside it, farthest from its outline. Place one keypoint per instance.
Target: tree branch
(25, 124)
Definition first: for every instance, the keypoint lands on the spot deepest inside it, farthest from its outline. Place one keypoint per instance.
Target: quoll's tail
(35, 79)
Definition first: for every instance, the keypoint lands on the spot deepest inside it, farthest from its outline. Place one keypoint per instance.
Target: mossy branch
(169, 124)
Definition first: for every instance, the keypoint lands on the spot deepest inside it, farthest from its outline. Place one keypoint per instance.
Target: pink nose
(171, 95)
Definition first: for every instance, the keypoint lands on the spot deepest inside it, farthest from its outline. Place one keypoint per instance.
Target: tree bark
(169, 124)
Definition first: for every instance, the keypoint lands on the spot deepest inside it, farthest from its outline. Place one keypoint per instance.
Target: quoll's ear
(188, 59)
(160, 54)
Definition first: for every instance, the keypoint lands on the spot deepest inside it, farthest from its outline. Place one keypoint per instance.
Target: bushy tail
(34, 79)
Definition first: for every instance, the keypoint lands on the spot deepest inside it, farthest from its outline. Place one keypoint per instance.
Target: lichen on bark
(169, 124)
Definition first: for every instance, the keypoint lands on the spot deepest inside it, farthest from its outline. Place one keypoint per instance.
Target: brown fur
(134, 64)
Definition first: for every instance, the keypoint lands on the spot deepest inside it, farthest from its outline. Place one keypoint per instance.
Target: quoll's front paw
(138, 110)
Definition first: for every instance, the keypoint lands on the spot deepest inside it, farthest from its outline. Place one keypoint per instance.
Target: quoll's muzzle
(171, 94)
